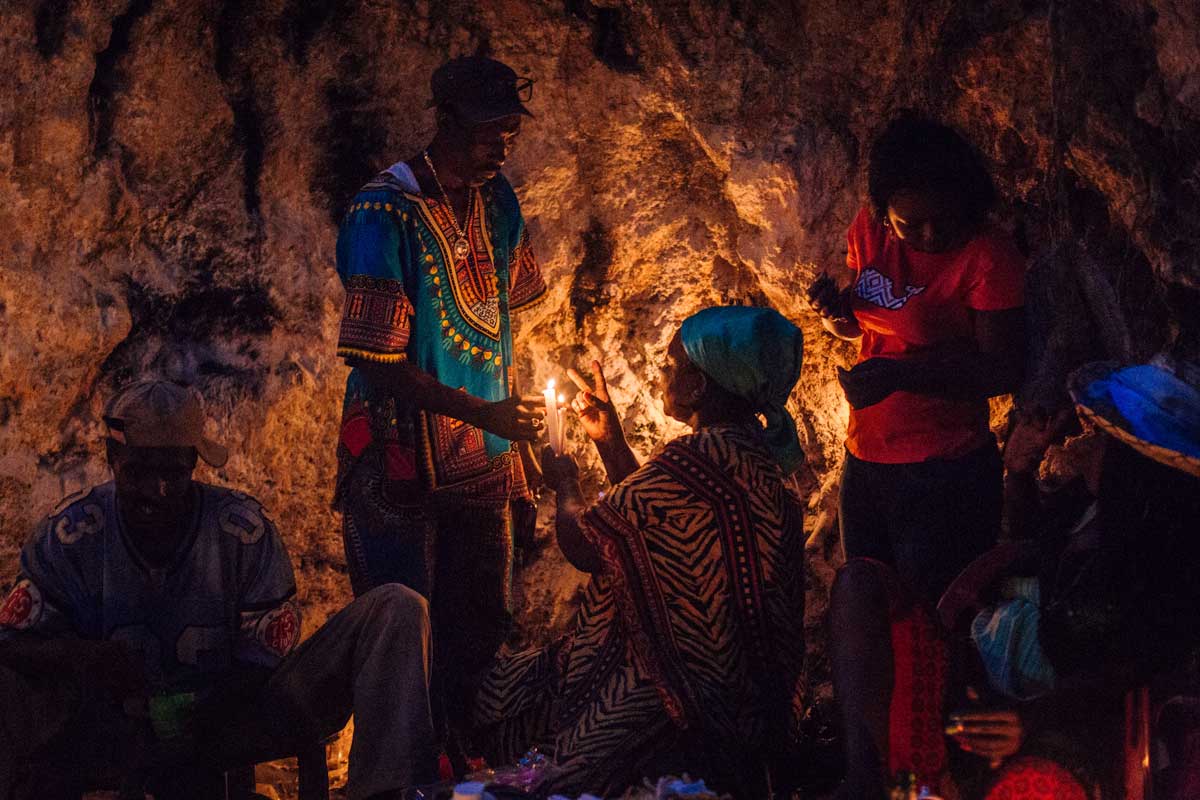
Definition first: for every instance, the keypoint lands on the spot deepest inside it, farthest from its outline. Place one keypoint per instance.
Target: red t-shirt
(910, 303)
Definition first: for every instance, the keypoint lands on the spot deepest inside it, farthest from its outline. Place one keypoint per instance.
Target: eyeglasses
(524, 89)
(502, 90)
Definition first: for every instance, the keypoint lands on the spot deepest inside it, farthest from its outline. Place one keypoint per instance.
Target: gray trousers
(371, 659)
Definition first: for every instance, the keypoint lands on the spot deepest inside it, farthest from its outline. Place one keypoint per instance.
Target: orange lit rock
(171, 172)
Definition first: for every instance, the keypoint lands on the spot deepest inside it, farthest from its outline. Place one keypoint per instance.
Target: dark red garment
(916, 739)
(1033, 778)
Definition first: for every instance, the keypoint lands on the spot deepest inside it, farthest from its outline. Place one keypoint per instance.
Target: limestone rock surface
(171, 173)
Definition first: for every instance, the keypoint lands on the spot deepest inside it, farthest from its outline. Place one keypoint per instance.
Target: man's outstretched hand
(515, 418)
(595, 408)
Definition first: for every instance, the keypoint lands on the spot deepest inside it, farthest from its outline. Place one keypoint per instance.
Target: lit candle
(551, 398)
(561, 427)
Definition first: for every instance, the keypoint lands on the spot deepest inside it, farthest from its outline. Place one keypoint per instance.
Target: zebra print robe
(687, 648)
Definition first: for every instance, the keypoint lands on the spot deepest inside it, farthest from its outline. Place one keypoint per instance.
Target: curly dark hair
(915, 153)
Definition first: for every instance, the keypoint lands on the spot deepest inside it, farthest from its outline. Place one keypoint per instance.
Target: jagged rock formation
(171, 172)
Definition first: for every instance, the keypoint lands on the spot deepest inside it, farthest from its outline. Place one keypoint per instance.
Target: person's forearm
(618, 459)
(1022, 503)
(26, 654)
(422, 389)
(961, 377)
(847, 329)
(578, 551)
(993, 366)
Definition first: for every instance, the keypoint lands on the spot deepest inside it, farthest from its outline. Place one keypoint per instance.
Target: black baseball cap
(480, 88)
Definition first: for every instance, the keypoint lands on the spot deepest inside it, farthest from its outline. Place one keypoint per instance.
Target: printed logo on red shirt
(279, 629)
(878, 289)
(23, 608)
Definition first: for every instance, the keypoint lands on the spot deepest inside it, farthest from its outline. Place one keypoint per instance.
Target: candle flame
(550, 383)
(561, 399)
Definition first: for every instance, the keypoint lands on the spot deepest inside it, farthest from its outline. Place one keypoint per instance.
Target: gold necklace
(460, 245)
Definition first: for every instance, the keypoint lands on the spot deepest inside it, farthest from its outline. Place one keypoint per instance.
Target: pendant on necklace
(462, 248)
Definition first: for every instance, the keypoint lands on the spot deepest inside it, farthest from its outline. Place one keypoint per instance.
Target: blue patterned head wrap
(754, 353)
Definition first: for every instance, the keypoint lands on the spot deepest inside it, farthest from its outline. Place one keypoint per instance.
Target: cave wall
(171, 172)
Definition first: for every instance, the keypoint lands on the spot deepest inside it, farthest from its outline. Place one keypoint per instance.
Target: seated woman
(1112, 601)
(688, 645)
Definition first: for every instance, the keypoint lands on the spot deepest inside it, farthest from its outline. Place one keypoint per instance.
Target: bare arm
(618, 459)
(515, 418)
(992, 367)
(575, 547)
(995, 368)
(1023, 452)
(1022, 504)
(562, 475)
(529, 461)
(110, 665)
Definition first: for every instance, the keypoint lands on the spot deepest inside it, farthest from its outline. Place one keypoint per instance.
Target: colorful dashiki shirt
(695, 625)
(408, 299)
(227, 599)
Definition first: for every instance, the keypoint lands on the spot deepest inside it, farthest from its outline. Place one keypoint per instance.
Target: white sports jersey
(227, 599)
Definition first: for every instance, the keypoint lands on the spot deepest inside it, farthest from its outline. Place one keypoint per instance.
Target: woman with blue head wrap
(690, 641)
(753, 355)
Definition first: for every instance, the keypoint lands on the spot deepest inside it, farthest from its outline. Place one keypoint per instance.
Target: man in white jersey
(153, 636)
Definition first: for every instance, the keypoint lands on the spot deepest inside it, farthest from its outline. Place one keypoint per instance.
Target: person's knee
(398, 603)
(860, 585)
(860, 577)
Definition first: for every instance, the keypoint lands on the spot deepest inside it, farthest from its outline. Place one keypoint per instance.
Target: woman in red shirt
(936, 303)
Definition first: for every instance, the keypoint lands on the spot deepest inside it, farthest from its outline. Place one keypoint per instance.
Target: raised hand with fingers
(594, 407)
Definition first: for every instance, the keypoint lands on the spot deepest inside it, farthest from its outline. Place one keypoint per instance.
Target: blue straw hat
(1154, 408)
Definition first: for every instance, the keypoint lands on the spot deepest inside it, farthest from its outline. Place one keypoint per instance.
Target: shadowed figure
(153, 637)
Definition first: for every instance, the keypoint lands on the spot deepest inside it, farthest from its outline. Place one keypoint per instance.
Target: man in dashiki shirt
(434, 256)
(152, 638)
